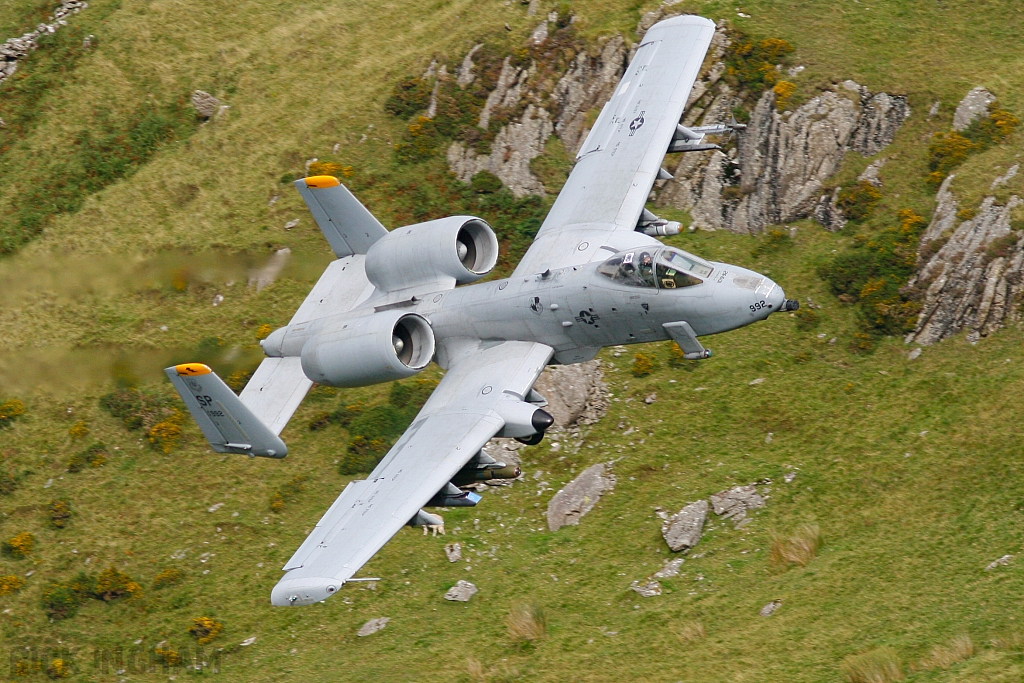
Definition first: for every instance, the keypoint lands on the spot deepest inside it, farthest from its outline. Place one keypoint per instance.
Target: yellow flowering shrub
(167, 577)
(112, 584)
(11, 410)
(643, 365)
(10, 583)
(783, 91)
(19, 546)
(205, 629)
(79, 430)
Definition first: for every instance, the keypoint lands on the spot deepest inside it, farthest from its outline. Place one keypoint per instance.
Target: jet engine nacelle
(453, 250)
(376, 348)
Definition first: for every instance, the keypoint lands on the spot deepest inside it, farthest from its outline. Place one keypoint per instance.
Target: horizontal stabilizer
(275, 391)
(226, 423)
(348, 226)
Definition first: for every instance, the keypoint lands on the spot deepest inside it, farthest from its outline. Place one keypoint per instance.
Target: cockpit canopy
(664, 268)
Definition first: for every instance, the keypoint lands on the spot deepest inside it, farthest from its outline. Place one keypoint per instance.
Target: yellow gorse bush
(205, 629)
(19, 546)
(10, 583)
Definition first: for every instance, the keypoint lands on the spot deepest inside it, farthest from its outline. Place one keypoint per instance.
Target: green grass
(905, 539)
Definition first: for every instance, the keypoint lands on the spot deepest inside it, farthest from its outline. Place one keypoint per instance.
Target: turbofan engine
(446, 252)
(376, 348)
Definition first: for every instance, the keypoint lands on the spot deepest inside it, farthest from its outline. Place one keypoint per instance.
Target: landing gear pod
(376, 348)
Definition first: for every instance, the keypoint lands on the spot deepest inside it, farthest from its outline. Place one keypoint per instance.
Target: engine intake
(376, 348)
(446, 252)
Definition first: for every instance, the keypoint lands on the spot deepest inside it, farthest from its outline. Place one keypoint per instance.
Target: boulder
(770, 608)
(972, 107)
(205, 104)
(453, 551)
(372, 626)
(578, 497)
(570, 390)
(646, 590)
(682, 530)
(461, 592)
(1001, 562)
(735, 502)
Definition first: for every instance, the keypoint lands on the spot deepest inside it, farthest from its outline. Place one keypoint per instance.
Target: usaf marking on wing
(390, 304)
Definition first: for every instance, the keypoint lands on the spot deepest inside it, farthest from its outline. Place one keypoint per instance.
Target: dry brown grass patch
(526, 623)
(799, 548)
(691, 632)
(944, 656)
(881, 665)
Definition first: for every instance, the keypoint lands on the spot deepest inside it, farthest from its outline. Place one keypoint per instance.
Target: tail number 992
(758, 306)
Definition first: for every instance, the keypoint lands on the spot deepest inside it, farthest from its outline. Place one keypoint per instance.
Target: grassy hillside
(909, 468)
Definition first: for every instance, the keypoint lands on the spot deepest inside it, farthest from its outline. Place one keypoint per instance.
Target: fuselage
(578, 310)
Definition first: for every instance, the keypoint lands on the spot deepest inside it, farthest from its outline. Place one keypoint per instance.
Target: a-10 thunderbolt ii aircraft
(594, 276)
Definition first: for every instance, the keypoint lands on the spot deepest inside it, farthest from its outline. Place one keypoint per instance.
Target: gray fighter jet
(595, 276)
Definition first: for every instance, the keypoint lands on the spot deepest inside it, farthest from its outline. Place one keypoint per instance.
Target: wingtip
(191, 369)
(294, 592)
(317, 182)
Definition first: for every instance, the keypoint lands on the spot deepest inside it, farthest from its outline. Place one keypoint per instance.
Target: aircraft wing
(605, 194)
(463, 413)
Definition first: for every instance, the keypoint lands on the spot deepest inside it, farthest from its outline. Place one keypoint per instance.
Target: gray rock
(372, 626)
(15, 49)
(670, 569)
(646, 590)
(589, 82)
(972, 107)
(770, 608)
(963, 284)
(461, 592)
(1001, 562)
(735, 502)
(870, 174)
(1005, 178)
(453, 551)
(682, 530)
(578, 497)
(914, 354)
(782, 160)
(205, 104)
(513, 148)
(828, 213)
(465, 75)
(540, 34)
(788, 477)
(934, 110)
(574, 392)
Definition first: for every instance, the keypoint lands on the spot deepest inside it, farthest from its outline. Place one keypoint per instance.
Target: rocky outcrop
(579, 497)
(511, 152)
(588, 82)
(573, 392)
(781, 163)
(970, 271)
(14, 50)
(972, 107)
(682, 530)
